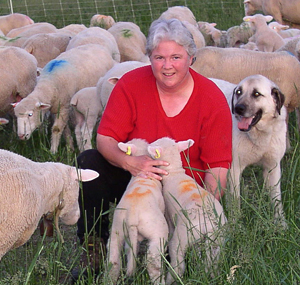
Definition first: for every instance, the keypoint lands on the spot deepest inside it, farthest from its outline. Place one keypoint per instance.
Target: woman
(166, 98)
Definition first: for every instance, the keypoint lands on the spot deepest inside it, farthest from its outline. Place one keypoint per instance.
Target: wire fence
(62, 13)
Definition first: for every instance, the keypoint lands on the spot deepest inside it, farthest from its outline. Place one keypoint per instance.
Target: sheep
(213, 36)
(12, 21)
(193, 214)
(234, 64)
(96, 35)
(88, 109)
(197, 35)
(292, 47)
(31, 189)
(139, 215)
(102, 21)
(283, 11)
(238, 35)
(284, 30)
(131, 41)
(72, 29)
(106, 83)
(23, 33)
(265, 38)
(18, 76)
(181, 13)
(45, 47)
(60, 79)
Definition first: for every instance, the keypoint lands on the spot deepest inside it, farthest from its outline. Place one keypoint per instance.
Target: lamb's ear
(268, 18)
(42, 106)
(3, 121)
(183, 145)
(113, 80)
(247, 18)
(15, 104)
(83, 175)
(154, 151)
(128, 148)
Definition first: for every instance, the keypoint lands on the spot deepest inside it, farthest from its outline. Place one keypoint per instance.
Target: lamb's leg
(87, 131)
(132, 249)
(177, 249)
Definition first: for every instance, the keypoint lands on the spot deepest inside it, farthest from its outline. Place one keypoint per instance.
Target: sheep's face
(30, 114)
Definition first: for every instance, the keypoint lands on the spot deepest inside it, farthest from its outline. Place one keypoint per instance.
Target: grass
(255, 252)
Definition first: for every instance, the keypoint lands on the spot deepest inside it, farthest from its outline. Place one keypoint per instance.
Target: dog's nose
(240, 109)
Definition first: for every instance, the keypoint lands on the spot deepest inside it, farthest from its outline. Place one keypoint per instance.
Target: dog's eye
(238, 92)
(256, 94)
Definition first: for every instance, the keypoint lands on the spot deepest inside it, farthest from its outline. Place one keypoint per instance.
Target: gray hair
(172, 29)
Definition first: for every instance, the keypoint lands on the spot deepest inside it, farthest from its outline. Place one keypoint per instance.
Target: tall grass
(256, 250)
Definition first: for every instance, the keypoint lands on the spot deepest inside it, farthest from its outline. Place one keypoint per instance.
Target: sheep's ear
(268, 18)
(247, 18)
(15, 104)
(113, 80)
(3, 121)
(246, 1)
(83, 175)
(155, 151)
(128, 148)
(183, 145)
(42, 106)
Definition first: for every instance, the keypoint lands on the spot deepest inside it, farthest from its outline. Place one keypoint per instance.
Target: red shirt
(134, 110)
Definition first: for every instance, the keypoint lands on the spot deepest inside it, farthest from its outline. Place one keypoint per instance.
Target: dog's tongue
(244, 123)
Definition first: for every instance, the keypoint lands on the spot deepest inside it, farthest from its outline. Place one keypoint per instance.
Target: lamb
(102, 21)
(139, 215)
(197, 35)
(131, 41)
(238, 35)
(283, 11)
(88, 110)
(96, 35)
(46, 46)
(280, 67)
(18, 76)
(106, 83)
(284, 30)
(72, 29)
(12, 21)
(213, 36)
(60, 79)
(193, 214)
(265, 38)
(292, 47)
(181, 13)
(31, 189)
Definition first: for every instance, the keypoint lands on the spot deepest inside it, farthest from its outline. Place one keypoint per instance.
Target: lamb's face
(30, 114)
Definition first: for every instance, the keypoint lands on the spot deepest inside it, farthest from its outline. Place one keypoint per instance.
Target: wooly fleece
(29, 189)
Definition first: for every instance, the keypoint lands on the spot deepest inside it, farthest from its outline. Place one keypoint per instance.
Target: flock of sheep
(70, 72)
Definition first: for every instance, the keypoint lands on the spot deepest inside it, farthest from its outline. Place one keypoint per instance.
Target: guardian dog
(259, 135)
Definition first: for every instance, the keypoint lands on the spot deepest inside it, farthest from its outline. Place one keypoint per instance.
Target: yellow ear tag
(157, 153)
(128, 150)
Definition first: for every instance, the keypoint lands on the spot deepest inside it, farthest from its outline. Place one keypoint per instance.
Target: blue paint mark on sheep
(54, 64)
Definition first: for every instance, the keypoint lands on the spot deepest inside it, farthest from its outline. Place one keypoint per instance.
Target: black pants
(96, 195)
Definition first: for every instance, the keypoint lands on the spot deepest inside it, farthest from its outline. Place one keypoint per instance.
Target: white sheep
(60, 79)
(72, 29)
(31, 189)
(20, 35)
(102, 21)
(46, 46)
(283, 11)
(88, 109)
(238, 35)
(131, 41)
(234, 64)
(96, 35)
(18, 76)
(194, 215)
(138, 216)
(284, 30)
(265, 38)
(292, 46)
(213, 36)
(181, 13)
(13, 21)
(106, 83)
(197, 35)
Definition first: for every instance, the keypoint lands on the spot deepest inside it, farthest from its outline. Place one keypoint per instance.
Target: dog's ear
(279, 98)
(232, 98)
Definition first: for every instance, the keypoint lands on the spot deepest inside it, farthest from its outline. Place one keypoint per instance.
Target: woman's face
(170, 64)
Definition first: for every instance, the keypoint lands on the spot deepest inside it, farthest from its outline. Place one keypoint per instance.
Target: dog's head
(254, 99)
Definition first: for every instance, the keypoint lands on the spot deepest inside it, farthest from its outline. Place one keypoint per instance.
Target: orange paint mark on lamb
(187, 185)
(144, 182)
(136, 194)
(200, 195)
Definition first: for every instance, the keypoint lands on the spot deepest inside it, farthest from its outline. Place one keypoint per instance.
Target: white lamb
(181, 13)
(18, 76)
(194, 215)
(265, 38)
(96, 35)
(102, 21)
(12, 21)
(238, 35)
(212, 35)
(72, 29)
(139, 215)
(60, 79)
(284, 30)
(46, 46)
(31, 189)
(88, 109)
(131, 41)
